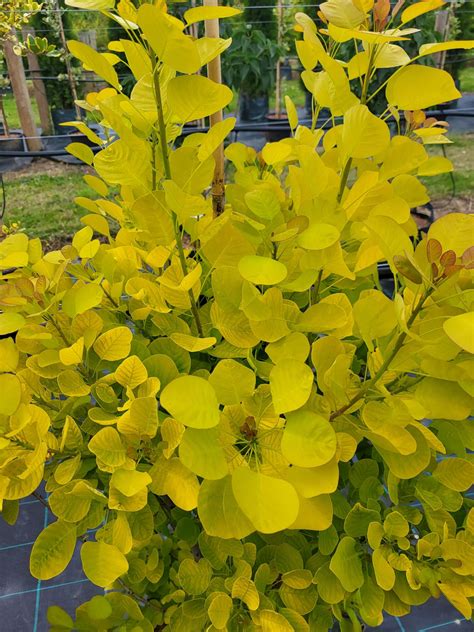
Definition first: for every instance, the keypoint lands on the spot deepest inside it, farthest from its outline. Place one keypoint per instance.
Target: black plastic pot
(13, 142)
(59, 116)
(274, 135)
(253, 109)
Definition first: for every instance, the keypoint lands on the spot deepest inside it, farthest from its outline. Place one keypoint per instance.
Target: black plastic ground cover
(24, 601)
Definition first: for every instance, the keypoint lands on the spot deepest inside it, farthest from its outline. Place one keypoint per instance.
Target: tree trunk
(22, 97)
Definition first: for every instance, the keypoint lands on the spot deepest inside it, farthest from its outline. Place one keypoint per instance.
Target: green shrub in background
(229, 413)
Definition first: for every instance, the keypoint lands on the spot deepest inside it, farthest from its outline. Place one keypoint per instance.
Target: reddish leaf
(433, 250)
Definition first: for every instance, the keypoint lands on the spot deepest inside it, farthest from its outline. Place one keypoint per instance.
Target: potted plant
(248, 67)
(241, 430)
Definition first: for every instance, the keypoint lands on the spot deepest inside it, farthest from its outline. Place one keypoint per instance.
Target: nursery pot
(253, 109)
(281, 120)
(13, 142)
(59, 116)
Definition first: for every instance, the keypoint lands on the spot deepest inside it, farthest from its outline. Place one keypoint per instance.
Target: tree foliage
(236, 422)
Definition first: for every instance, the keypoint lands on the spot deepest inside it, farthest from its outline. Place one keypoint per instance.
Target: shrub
(236, 422)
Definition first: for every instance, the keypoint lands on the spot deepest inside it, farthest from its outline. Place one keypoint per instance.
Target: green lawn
(12, 115)
(43, 202)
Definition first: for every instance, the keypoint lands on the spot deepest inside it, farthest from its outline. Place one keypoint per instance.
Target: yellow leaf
(456, 474)
(114, 344)
(9, 355)
(103, 563)
(262, 270)
(403, 88)
(245, 590)
(318, 236)
(81, 151)
(363, 133)
(10, 322)
(173, 479)
(419, 8)
(73, 354)
(454, 232)
(53, 550)
(308, 440)
(342, 13)
(290, 383)
(460, 329)
(192, 401)
(438, 47)
(271, 504)
(192, 343)
(193, 97)
(384, 573)
(271, 621)
(219, 512)
(199, 14)
(108, 447)
(171, 45)
(315, 514)
(10, 389)
(200, 452)
(95, 62)
(129, 482)
(273, 153)
(81, 298)
(71, 383)
(131, 372)
(232, 382)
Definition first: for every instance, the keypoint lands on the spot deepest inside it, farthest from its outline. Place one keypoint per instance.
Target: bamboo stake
(214, 72)
(22, 96)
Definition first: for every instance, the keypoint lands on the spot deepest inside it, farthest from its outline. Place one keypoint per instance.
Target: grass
(43, 203)
(12, 114)
(466, 77)
(461, 154)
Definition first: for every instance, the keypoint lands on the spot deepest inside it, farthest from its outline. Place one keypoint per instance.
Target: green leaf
(53, 550)
(194, 577)
(245, 590)
(347, 565)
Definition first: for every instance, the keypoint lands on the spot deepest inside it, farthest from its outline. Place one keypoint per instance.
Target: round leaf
(192, 401)
(103, 563)
(270, 504)
(308, 439)
(262, 270)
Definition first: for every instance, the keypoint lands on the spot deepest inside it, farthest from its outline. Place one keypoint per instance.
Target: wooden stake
(214, 72)
(278, 69)
(38, 86)
(22, 97)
